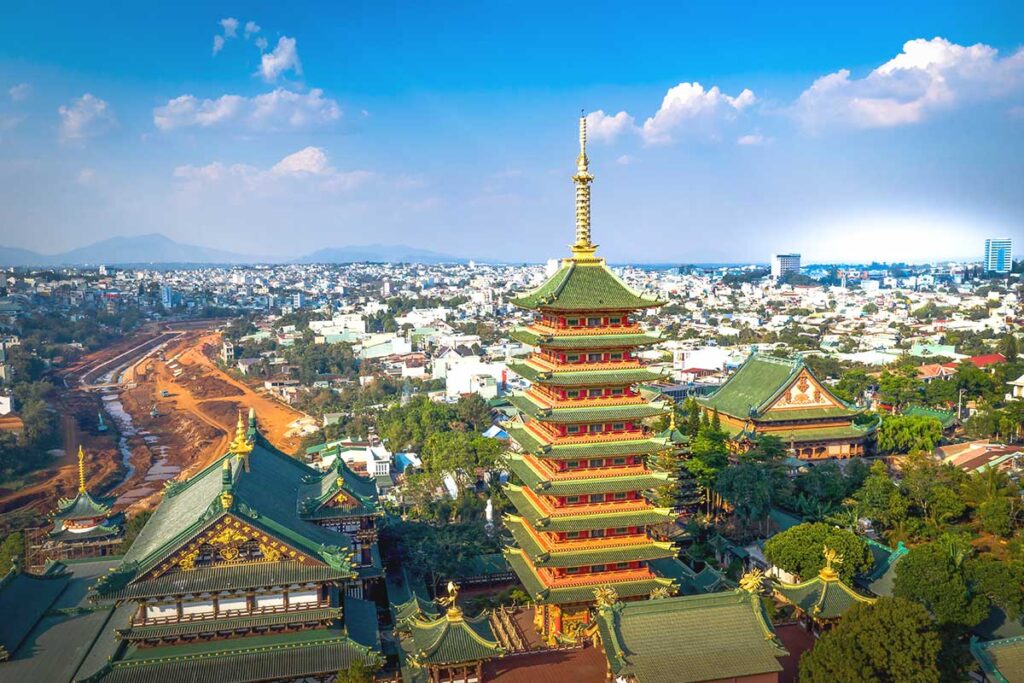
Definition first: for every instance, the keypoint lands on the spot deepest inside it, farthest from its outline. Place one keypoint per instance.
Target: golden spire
(583, 250)
(81, 469)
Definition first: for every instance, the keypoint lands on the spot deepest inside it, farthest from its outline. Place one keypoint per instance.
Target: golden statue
(832, 558)
(660, 592)
(449, 601)
(752, 581)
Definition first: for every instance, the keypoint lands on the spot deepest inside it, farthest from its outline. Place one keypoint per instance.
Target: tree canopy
(799, 550)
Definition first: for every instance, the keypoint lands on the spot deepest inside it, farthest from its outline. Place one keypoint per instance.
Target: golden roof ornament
(240, 445)
(828, 572)
(752, 581)
(583, 250)
(605, 596)
(81, 469)
(453, 613)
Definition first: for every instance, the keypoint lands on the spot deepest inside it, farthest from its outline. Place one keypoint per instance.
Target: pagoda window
(622, 530)
(572, 322)
(593, 322)
(572, 570)
(596, 392)
(597, 568)
(572, 429)
(618, 461)
(618, 426)
(597, 533)
(621, 565)
(572, 358)
(620, 496)
(617, 320)
(617, 392)
(597, 498)
(573, 393)
(572, 464)
(594, 357)
(572, 500)
(572, 534)
(615, 356)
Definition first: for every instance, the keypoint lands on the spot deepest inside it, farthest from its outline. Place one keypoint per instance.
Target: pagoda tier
(582, 517)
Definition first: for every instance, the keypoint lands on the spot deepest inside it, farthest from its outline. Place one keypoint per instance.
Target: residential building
(998, 255)
(784, 264)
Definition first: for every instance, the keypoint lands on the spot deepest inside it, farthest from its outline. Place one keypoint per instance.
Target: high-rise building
(998, 255)
(784, 264)
(582, 522)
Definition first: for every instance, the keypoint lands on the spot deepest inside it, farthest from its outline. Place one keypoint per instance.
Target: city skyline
(259, 131)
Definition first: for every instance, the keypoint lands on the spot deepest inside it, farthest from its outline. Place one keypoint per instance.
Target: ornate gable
(803, 392)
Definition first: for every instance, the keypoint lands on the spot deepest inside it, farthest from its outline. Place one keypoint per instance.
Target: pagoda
(583, 518)
(83, 526)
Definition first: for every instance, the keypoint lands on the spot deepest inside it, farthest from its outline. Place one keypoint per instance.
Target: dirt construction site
(167, 409)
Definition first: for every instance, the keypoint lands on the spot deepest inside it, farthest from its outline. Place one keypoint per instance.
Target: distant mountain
(378, 253)
(152, 248)
(12, 256)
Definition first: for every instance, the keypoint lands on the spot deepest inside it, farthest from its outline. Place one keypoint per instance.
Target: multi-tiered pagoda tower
(583, 518)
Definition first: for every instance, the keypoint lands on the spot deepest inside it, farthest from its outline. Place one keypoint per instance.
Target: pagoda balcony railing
(584, 439)
(601, 543)
(599, 578)
(546, 402)
(635, 505)
(548, 330)
(230, 614)
(598, 473)
(548, 365)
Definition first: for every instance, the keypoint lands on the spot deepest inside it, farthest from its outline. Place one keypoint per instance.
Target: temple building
(582, 518)
(83, 526)
(235, 577)
(717, 637)
(823, 599)
(782, 397)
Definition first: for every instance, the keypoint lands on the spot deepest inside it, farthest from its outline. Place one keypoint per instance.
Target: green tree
(908, 433)
(934, 575)
(799, 550)
(1009, 347)
(12, 548)
(891, 640)
(879, 498)
(752, 488)
(932, 486)
(900, 386)
(132, 529)
(359, 672)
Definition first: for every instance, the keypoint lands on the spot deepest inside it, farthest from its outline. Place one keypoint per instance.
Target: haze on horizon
(847, 133)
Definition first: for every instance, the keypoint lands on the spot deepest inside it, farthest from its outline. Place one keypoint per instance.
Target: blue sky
(852, 131)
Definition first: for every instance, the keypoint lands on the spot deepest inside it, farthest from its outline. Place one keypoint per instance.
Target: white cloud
(230, 25)
(750, 139)
(624, 160)
(687, 103)
(311, 160)
(86, 176)
(20, 92)
(605, 128)
(285, 57)
(261, 43)
(277, 110)
(218, 44)
(86, 117)
(251, 27)
(307, 169)
(927, 77)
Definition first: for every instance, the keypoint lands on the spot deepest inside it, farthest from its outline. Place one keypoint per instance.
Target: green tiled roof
(583, 521)
(530, 443)
(82, 506)
(563, 596)
(264, 496)
(756, 384)
(24, 599)
(720, 636)
(1001, 660)
(585, 341)
(228, 577)
(257, 658)
(106, 530)
(226, 626)
(318, 489)
(585, 377)
(611, 413)
(820, 598)
(452, 639)
(577, 287)
(588, 485)
(946, 417)
(797, 436)
(580, 558)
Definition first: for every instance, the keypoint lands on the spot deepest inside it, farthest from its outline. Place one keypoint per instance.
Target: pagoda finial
(81, 469)
(583, 249)
(828, 572)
